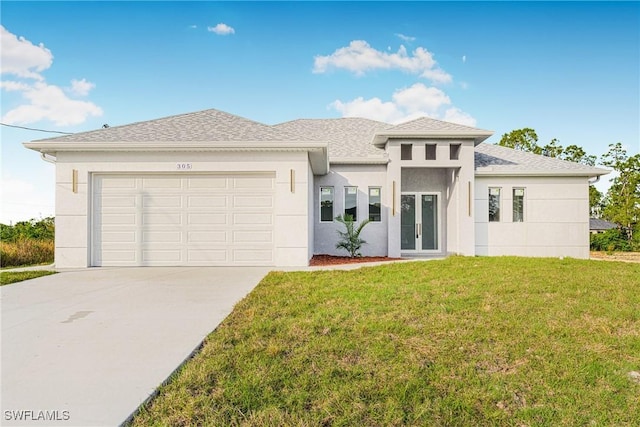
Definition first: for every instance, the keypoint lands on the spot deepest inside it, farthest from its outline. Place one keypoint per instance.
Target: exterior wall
(311, 214)
(556, 217)
(363, 177)
(458, 184)
(73, 210)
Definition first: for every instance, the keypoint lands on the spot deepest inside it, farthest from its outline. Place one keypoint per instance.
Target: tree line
(620, 204)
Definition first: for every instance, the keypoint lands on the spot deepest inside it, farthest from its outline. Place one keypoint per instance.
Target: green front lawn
(457, 342)
(7, 277)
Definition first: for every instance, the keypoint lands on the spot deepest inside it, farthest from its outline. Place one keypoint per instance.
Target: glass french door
(419, 222)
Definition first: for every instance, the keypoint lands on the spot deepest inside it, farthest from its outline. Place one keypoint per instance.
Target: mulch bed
(320, 260)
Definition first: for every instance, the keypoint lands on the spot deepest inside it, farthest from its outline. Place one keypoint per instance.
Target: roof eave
(586, 173)
(358, 160)
(381, 138)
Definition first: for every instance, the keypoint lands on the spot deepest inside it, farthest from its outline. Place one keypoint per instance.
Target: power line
(37, 130)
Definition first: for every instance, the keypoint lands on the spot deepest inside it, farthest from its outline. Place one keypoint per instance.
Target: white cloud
(359, 57)
(464, 58)
(222, 29)
(81, 87)
(374, 109)
(22, 58)
(409, 103)
(39, 99)
(49, 102)
(193, 26)
(405, 38)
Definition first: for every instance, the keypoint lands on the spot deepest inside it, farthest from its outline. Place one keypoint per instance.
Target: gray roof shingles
(494, 158)
(346, 138)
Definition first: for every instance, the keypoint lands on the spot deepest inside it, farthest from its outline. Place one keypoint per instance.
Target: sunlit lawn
(457, 342)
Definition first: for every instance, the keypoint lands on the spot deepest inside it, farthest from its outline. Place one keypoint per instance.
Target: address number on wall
(184, 166)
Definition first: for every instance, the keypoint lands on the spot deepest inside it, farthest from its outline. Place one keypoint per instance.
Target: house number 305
(184, 166)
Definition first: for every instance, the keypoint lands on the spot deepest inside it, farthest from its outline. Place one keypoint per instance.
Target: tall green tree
(622, 202)
(524, 139)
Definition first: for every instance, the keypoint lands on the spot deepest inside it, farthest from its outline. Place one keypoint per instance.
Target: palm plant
(350, 238)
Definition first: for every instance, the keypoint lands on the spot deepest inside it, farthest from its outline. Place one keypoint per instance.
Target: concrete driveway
(87, 347)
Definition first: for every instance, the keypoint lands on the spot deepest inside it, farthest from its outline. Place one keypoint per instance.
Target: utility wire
(38, 130)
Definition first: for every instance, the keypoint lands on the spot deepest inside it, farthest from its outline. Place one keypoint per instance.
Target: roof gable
(426, 127)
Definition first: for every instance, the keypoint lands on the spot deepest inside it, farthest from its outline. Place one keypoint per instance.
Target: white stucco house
(212, 188)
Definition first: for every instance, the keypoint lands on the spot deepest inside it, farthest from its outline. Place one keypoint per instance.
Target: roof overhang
(358, 160)
(478, 135)
(318, 152)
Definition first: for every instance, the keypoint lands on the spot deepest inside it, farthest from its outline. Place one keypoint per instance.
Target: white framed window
(518, 205)
(375, 204)
(430, 151)
(351, 202)
(494, 204)
(326, 204)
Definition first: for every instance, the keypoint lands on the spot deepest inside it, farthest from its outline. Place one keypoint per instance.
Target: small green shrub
(350, 238)
(26, 252)
(612, 240)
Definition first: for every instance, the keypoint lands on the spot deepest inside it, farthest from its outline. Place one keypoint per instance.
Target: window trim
(333, 203)
(513, 203)
(379, 203)
(454, 151)
(498, 219)
(344, 199)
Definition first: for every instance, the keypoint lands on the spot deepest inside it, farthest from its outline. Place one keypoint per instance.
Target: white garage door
(176, 220)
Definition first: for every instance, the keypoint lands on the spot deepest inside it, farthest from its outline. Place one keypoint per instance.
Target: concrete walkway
(87, 347)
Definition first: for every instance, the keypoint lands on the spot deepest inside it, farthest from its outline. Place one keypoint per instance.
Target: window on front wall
(494, 204)
(430, 152)
(518, 205)
(351, 202)
(326, 204)
(454, 151)
(406, 151)
(375, 205)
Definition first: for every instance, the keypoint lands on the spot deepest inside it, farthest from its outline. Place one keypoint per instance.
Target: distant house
(212, 188)
(597, 225)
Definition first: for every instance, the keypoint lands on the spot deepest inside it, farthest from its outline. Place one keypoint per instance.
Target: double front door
(420, 222)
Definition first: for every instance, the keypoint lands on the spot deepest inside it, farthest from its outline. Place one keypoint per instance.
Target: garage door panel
(209, 256)
(162, 236)
(252, 201)
(118, 219)
(163, 183)
(207, 218)
(173, 256)
(207, 201)
(162, 201)
(207, 237)
(252, 183)
(164, 218)
(117, 202)
(183, 220)
(118, 236)
(253, 236)
(207, 183)
(117, 183)
(245, 218)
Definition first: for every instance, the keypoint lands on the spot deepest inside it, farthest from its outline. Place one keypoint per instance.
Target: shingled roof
(347, 137)
(201, 126)
(497, 160)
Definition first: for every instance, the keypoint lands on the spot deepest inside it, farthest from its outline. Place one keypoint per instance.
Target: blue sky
(570, 70)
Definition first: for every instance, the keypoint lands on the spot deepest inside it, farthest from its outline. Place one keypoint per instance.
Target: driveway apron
(87, 347)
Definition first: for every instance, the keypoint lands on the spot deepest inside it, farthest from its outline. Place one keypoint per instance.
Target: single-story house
(212, 188)
(598, 225)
